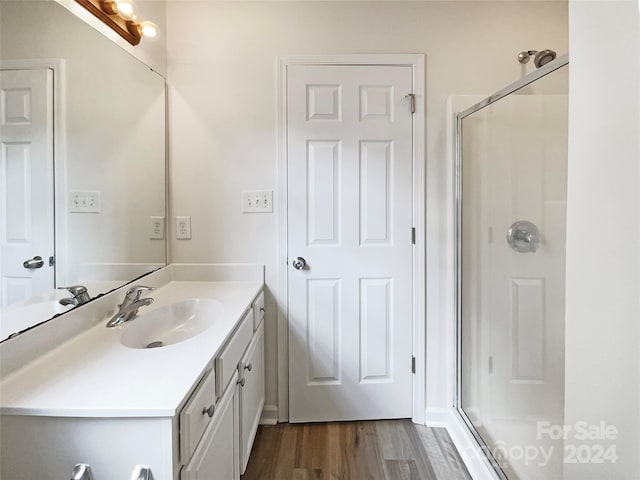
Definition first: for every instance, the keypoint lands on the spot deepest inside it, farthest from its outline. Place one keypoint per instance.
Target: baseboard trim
(269, 415)
(436, 417)
(471, 454)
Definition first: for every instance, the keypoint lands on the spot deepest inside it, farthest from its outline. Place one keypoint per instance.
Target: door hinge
(412, 101)
(413, 364)
(52, 261)
(413, 235)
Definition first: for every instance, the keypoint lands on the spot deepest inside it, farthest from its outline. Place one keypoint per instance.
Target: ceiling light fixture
(120, 16)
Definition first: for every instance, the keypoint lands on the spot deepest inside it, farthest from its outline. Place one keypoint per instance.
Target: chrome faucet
(80, 295)
(128, 309)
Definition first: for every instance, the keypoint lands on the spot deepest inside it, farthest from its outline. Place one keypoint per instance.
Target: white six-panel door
(26, 182)
(349, 150)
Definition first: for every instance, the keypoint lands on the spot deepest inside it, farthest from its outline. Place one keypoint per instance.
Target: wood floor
(371, 450)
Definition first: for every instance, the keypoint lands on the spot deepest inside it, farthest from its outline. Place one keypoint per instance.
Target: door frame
(57, 65)
(417, 64)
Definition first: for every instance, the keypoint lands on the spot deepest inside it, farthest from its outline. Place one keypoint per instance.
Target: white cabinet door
(251, 395)
(217, 454)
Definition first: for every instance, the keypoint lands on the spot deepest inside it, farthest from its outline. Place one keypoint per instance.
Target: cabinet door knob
(249, 367)
(208, 411)
(241, 382)
(141, 472)
(82, 471)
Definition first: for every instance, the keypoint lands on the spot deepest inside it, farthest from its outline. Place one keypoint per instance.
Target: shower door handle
(523, 237)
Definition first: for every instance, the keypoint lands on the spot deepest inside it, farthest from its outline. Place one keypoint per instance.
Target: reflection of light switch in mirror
(82, 201)
(156, 231)
(257, 201)
(183, 228)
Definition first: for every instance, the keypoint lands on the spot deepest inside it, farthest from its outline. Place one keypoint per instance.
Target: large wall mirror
(82, 164)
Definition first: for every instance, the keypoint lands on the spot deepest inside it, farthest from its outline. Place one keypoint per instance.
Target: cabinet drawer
(196, 415)
(227, 361)
(258, 311)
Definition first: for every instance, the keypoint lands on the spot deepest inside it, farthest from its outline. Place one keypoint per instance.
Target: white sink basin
(172, 324)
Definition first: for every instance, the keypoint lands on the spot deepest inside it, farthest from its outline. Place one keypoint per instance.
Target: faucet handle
(137, 291)
(75, 289)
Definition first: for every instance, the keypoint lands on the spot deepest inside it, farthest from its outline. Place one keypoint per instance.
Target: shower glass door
(512, 178)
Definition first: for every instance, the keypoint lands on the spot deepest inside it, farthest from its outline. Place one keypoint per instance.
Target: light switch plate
(257, 201)
(84, 201)
(183, 228)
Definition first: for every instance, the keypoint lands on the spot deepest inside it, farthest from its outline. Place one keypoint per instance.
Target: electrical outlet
(257, 201)
(83, 201)
(156, 226)
(183, 228)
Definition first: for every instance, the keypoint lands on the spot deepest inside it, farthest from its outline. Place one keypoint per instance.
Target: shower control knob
(299, 263)
(523, 236)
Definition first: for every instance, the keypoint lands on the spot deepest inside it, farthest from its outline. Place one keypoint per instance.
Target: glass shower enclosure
(511, 175)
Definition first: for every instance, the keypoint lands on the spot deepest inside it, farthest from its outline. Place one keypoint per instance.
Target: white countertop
(94, 375)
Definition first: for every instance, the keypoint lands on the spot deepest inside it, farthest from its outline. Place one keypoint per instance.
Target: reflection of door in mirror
(26, 177)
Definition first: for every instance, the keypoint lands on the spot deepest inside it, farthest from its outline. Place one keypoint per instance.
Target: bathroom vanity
(186, 410)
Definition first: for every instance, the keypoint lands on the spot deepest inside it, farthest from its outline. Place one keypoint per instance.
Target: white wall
(603, 233)
(223, 85)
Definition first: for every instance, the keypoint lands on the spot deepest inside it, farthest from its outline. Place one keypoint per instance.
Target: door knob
(299, 263)
(35, 262)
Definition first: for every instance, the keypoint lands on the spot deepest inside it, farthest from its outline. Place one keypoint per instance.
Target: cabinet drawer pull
(241, 382)
(208, 411)
(248, 367)
(262, 309)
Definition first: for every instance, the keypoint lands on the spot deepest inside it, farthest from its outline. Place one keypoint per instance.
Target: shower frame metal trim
(459, 117)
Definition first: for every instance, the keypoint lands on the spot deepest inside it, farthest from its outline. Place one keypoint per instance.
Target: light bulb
(125, 9)
(149, 29)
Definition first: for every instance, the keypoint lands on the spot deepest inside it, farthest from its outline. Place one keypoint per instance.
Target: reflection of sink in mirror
(17, 319)
(172, 324)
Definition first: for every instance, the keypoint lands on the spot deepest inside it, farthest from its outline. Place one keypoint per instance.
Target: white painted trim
(436, 417)
(469, 450)
(269, 415)
(419, 249)
(283, 225)
(57, 65)
(417, 63)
